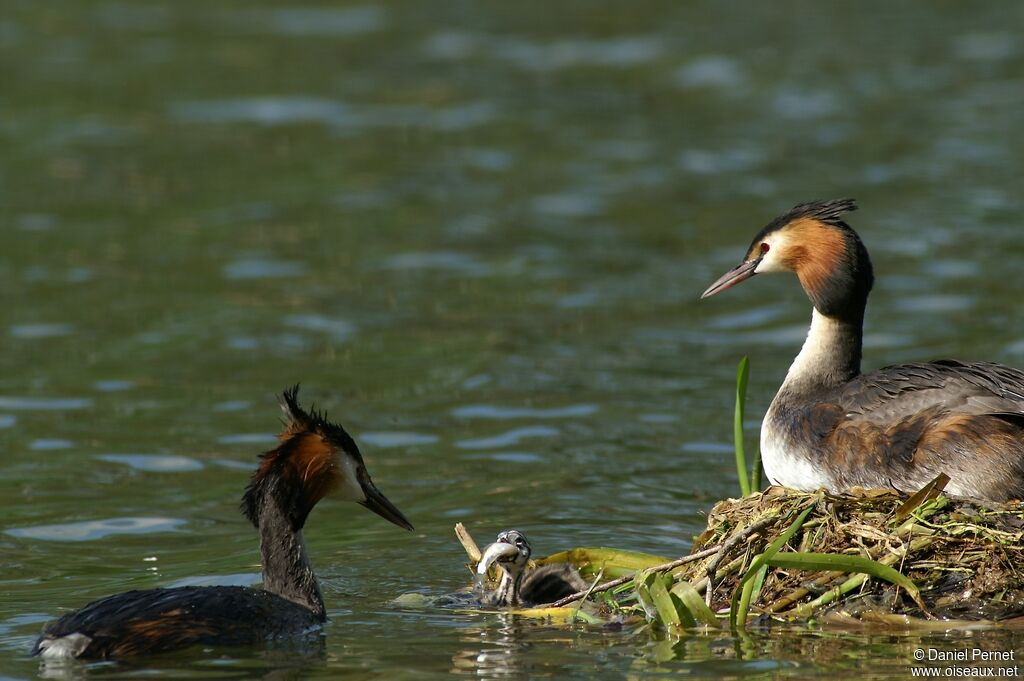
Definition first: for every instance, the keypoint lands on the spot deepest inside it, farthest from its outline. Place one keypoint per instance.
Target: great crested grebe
(831, 426)
(519, 587)
(315, 458)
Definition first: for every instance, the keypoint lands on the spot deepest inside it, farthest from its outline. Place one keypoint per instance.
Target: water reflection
(496, 651)
(491, 231)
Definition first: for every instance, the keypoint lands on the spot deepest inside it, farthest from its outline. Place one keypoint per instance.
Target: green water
(476, 232)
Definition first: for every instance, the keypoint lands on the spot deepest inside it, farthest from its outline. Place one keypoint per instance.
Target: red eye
(765, 248)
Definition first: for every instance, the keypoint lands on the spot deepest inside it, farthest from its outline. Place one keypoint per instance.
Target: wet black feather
(144, 622)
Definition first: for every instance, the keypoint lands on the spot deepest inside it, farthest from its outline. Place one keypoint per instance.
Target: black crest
(829, 212)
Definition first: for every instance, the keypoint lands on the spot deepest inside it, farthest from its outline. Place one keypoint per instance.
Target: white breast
(784, 465)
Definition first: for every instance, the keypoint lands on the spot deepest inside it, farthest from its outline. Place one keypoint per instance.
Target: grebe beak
(742, 272)
(379, 504)
(495, 552)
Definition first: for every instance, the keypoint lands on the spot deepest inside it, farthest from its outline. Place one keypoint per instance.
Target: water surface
(476, 234)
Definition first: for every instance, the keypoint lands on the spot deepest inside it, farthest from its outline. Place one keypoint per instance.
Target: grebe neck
(830, 357)
(286, 568)
(509, 587)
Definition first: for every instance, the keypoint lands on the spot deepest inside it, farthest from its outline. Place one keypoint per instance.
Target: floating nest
(965, 559)
(863, 557)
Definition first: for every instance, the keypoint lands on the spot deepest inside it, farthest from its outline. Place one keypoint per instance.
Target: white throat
(817, 348)
(828, 359)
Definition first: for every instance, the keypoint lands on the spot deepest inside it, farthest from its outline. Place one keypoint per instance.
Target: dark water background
(476, 232)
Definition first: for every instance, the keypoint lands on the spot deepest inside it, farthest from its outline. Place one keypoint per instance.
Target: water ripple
(44, 403)
(247, 439)
(237, 579)
(263, 268)
(302, 21)
(397, 439)
(711, 70)
(232, 405)
(157, 463)
(495, 412)
(32, 331)
(48, 444)
(508, 457)
(339, 329)
(509, 438)
(113, 385)
(438, 260)
(264, 111)
(96, 529)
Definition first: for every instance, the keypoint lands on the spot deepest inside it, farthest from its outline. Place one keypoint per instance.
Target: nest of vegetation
(864, 557)
(965, 559)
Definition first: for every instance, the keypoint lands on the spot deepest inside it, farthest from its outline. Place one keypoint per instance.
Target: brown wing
(908, 423)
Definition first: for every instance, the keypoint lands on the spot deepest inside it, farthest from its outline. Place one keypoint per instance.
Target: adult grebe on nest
(831, 426)
(519, 586)
(314, 459)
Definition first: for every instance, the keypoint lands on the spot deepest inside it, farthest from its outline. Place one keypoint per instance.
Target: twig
(629, 578)
(466, 539)
(701, 584)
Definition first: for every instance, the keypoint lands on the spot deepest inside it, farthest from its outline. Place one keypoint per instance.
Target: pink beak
(742, 272)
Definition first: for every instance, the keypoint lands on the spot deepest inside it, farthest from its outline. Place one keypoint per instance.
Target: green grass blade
(755, 471)
(742, 372)
(750, 592)
(693, 602)
(761, 559)
(843, 563)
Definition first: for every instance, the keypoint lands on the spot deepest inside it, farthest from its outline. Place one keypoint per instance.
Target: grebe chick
(831, 426)
(315, 458)
(519, 587)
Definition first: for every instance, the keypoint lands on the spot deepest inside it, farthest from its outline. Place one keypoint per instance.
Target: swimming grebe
(831, 426)
(314, 458)
(544, 584)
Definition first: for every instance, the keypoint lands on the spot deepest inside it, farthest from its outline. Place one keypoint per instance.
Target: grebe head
(813, 241)
(510, 551)
(315, 458)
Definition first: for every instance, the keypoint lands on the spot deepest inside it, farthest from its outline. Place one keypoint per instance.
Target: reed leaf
(742, 374)
(670, 611)
(693, 602)
(929, 491)
(614, 562)
(558, 615)
(844, 563)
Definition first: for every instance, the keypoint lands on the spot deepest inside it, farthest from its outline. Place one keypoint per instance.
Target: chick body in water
(520, 586)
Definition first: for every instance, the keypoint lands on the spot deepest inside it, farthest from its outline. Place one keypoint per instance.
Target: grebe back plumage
(831, 426)
(314, 458)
